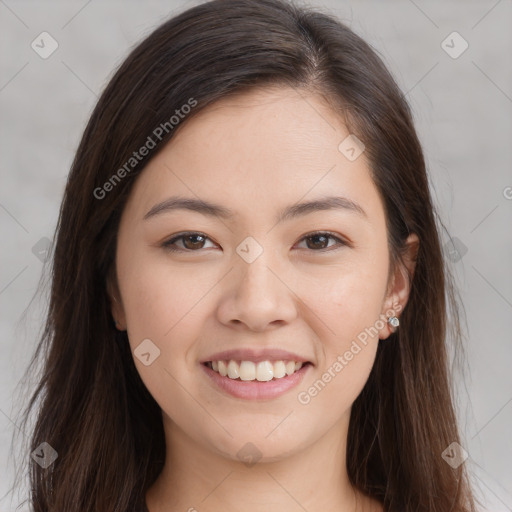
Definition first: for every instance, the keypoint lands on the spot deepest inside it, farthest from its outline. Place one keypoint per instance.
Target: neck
(313, 479)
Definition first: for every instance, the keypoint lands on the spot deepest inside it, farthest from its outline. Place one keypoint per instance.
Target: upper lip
(256, 355)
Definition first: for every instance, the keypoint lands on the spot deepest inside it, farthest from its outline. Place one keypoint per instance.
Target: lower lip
(254, 389)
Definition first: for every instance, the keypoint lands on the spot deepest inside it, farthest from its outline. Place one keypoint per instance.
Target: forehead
(278, 123)
(257, 150)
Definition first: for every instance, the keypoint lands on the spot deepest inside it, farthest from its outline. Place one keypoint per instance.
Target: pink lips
(256, 390)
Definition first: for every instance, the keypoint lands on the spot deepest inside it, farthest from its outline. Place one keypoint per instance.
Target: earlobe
(398, 294)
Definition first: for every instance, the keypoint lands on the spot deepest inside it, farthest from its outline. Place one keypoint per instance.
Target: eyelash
(168, 245)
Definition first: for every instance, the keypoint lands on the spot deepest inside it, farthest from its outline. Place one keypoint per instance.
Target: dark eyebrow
(290, 212)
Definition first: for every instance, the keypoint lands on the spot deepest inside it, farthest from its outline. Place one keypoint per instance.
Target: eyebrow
(214, 210)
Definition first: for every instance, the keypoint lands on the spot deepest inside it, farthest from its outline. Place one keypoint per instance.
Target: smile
(255, 381)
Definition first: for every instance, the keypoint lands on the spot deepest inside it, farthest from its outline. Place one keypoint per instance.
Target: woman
(248, 298)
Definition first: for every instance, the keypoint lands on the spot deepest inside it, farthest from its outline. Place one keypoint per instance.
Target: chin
(260, 444)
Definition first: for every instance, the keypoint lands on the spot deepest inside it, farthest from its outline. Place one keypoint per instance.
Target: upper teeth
(262, 371)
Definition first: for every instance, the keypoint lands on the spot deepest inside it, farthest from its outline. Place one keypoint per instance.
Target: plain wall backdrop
(462, 103)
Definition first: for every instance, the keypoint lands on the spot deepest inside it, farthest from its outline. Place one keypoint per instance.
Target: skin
(256, 153)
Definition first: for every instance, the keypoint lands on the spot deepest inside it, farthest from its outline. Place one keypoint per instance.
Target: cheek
(164, 307)
(165, 303)
(348, 299)
(348, 348)
(346, 310)
(150, 300)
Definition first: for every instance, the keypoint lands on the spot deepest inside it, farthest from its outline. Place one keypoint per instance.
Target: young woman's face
(260, 276)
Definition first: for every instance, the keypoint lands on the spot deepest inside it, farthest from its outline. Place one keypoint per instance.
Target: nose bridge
(256, 280)
(256, 296)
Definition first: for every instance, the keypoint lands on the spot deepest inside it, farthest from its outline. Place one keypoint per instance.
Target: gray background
(463, 112)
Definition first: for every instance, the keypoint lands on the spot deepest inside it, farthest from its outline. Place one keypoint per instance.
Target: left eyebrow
(296, 210)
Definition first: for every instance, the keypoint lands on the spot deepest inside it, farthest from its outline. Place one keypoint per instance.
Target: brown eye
(193, 242)
(190, 242)
(320, 241)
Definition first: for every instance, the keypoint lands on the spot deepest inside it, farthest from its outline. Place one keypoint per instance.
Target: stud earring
(393, 321)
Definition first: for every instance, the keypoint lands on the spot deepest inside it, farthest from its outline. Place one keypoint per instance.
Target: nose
(257, 296)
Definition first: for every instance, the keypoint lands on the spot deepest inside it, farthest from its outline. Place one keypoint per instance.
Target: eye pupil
(323, 243)
(194, 244)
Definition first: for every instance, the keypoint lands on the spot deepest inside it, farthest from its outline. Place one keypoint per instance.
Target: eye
(191, 242)
(320, 241)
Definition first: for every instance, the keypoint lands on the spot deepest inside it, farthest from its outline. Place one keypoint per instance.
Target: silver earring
(393, 321)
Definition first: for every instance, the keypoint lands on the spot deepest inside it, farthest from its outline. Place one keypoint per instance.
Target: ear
(400, 285)
(116, 305)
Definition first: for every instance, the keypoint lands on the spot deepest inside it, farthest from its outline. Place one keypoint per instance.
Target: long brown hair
(93, 408)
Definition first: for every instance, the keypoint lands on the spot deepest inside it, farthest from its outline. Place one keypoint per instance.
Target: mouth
(263, 380)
